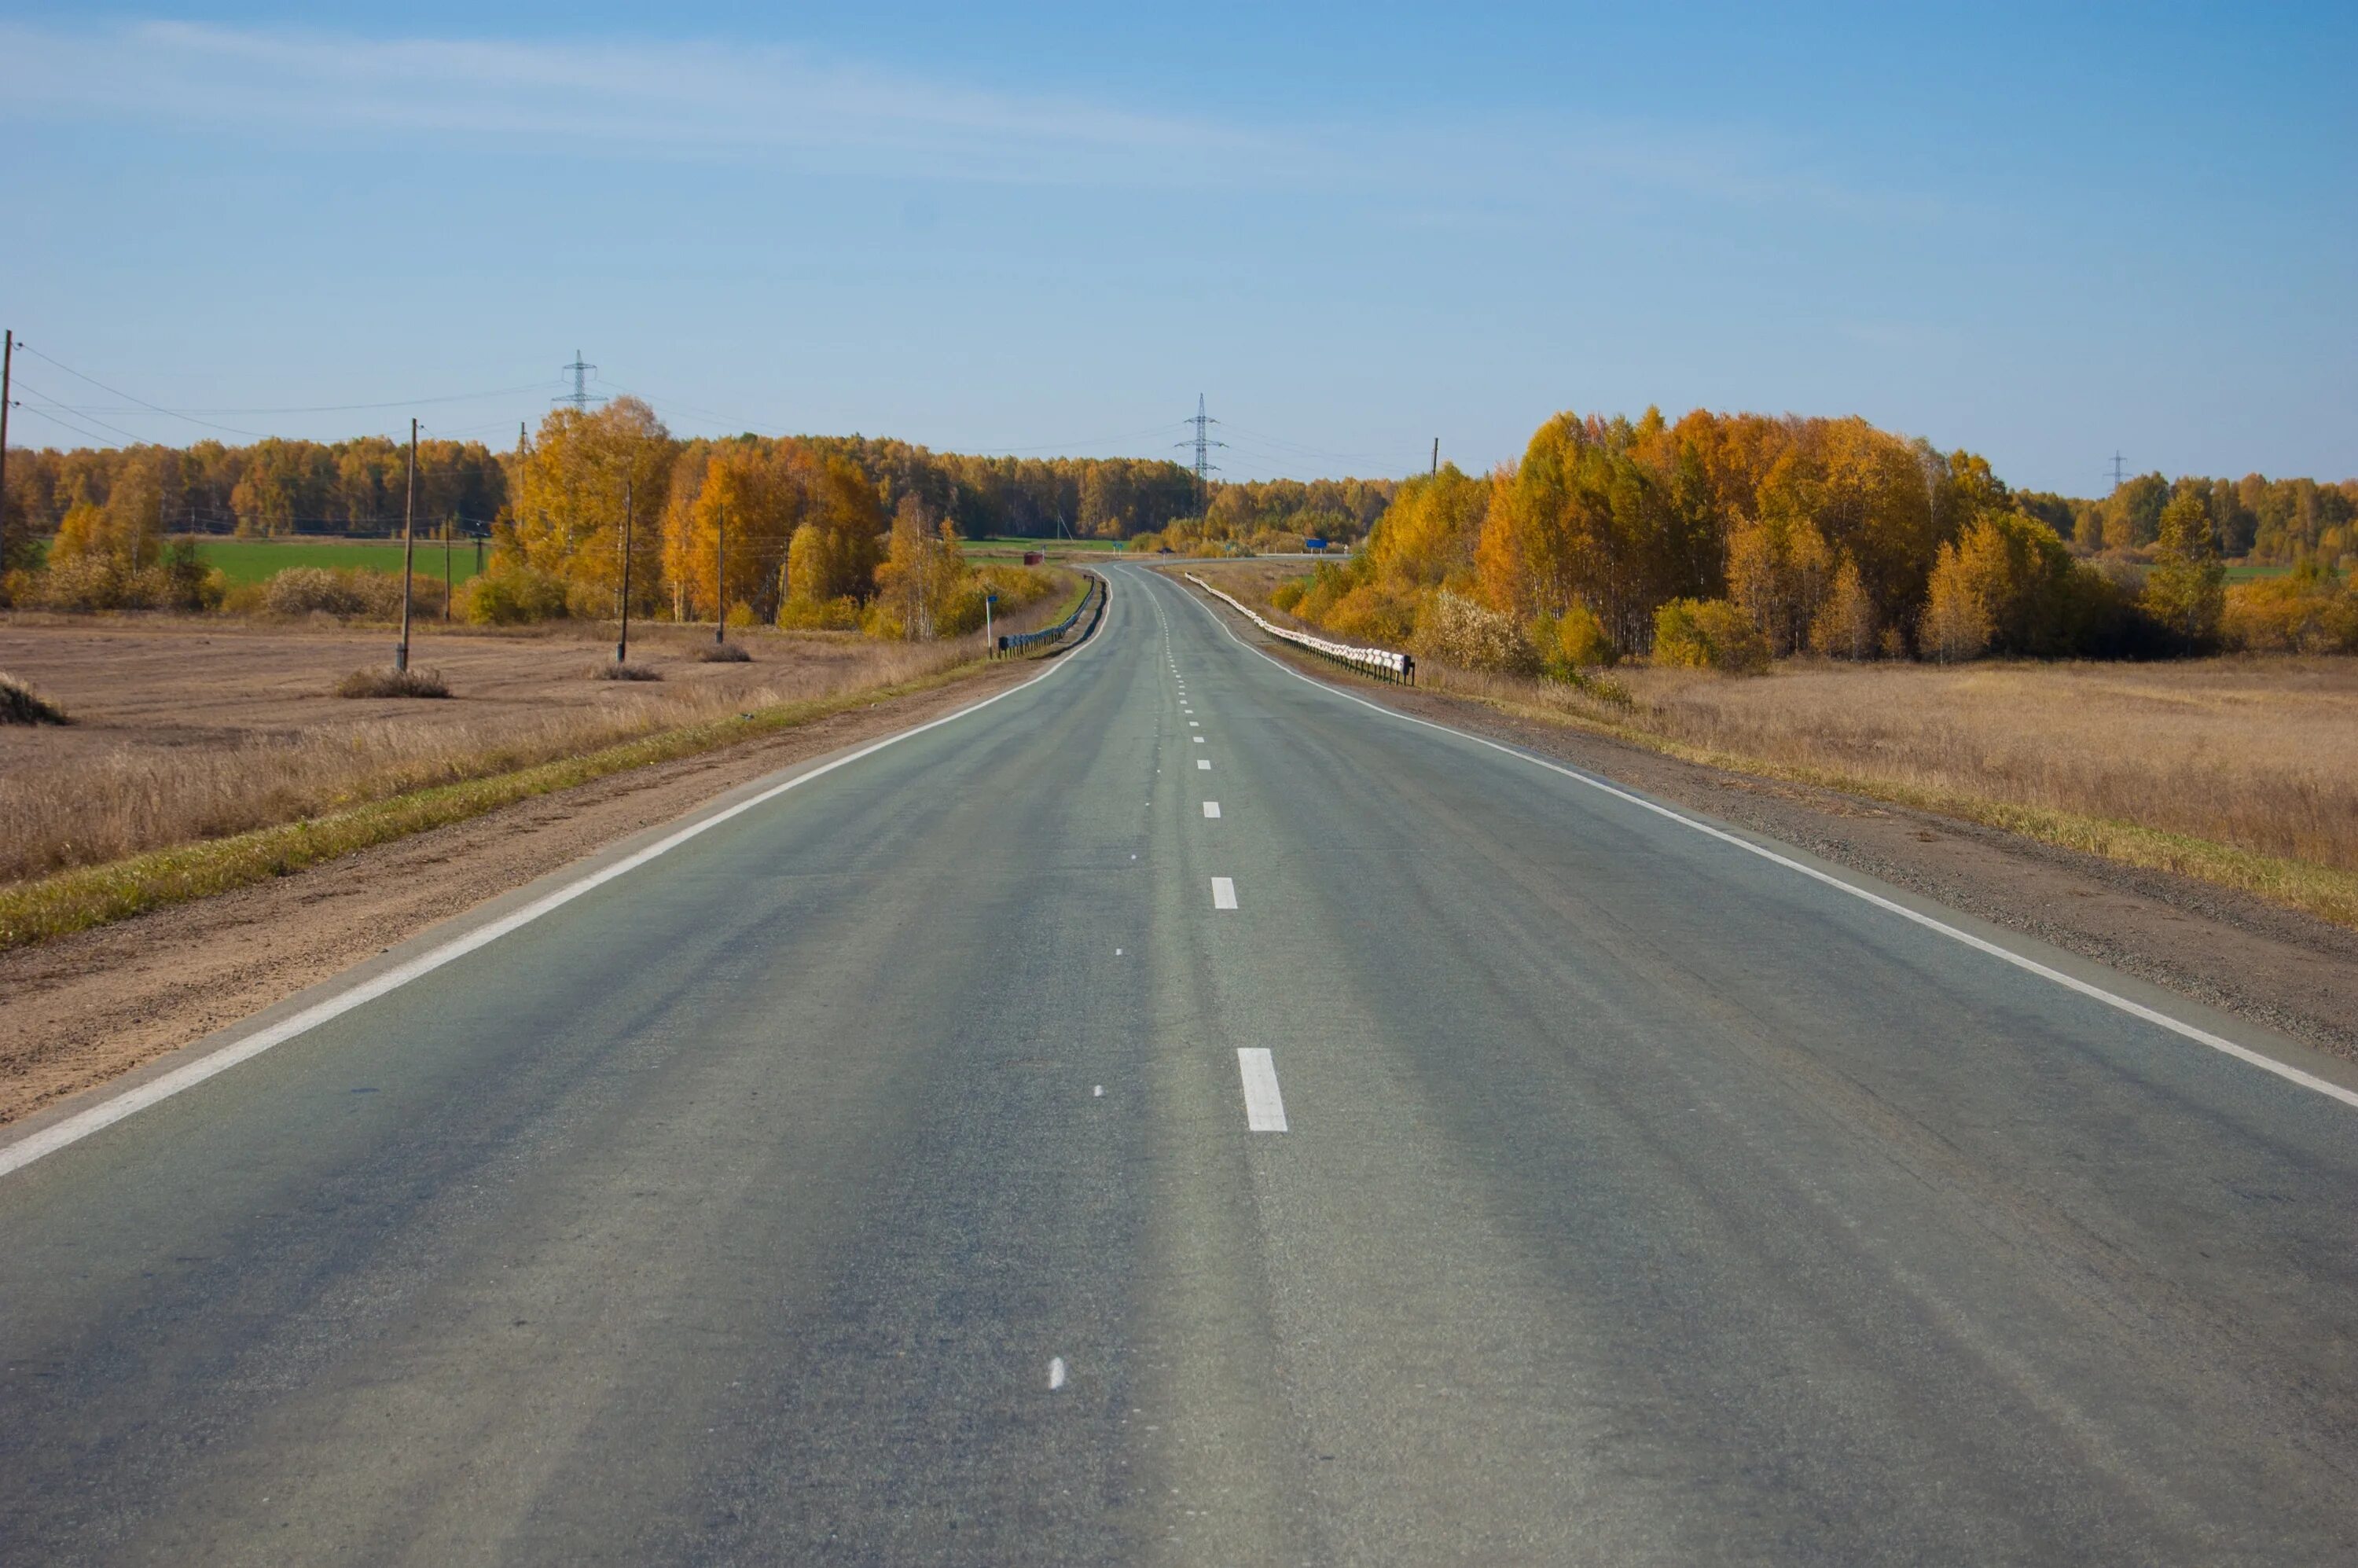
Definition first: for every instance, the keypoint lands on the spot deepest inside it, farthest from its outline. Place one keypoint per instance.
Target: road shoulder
(86, 1008)
(2282, 969)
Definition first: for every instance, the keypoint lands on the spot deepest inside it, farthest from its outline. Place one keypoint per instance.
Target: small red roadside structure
(1033, 558)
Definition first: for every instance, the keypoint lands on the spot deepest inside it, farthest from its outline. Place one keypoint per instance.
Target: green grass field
(2243, 572)
(259, 560)
(995, 545)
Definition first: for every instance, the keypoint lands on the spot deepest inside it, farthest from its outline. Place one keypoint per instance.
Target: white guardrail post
(1380, 662)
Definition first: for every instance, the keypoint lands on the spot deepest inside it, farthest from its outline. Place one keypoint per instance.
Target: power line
(152, 407)
(333, 407)
(23, 385)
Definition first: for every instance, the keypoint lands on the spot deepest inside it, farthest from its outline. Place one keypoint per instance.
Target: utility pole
(408, 550)
(622, 645)
(721, 574)
(7, 366)
(1436, 454)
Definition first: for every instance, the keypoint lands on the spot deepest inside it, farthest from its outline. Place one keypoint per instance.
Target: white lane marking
(1197, 739)
(1264, 1107)
(1203, 764)
(1193, 725)
(1223, 892)
(1211, 809)
(2201, 1036)
(74, 1128)
(1097, 1093)
(1055, 1373)
(1117, 952)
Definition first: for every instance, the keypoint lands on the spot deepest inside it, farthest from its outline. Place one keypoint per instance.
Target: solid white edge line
(2283, 1070)
(74, 1128)
(1264, 1105)
(1223, 892)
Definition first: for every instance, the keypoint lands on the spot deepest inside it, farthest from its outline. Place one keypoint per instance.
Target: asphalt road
(875, 1177)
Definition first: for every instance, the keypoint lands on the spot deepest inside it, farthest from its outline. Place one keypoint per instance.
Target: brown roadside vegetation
(190, 730)
(2259, 754)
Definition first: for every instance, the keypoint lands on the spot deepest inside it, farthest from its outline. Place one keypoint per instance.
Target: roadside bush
(820, 614)
(511, 595)
(1709, 634)
(393, 683)
(1286, 595)
(1462, 631)
(21, 703)
(723, 653)
(611, 671)
(1570, 642)
(348, 594)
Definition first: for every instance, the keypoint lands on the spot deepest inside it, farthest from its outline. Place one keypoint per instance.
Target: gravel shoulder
(2281, 968)
(78, 1011)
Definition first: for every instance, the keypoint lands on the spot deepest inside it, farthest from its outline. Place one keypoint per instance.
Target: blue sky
(2040, 233)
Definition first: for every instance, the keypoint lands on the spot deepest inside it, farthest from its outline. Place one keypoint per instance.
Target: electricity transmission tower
(2116, 470)
(1203, 443)
(581, 397)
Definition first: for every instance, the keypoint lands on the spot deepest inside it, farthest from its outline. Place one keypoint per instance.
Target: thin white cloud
(670, 99)
(656, 97)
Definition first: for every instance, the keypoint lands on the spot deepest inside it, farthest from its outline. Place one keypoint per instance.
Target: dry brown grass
(189, 734)
(21, 703)
(382, 682)
(611, 671)
(2243, 771)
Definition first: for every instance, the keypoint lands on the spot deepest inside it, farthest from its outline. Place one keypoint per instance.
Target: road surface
(1178, 1113)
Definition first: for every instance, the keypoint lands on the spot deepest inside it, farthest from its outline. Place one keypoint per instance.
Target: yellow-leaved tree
(567, 499)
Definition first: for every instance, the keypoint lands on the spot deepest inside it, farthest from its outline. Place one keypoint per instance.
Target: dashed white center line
(1191, 724)
(1203, 764)
(1211, 809)
(1197, 739)
(1223, 892)
(1264, 1107)
(1057, 1365)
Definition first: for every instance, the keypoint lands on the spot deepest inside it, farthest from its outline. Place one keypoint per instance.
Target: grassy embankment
(340, 796)
(2241, 771)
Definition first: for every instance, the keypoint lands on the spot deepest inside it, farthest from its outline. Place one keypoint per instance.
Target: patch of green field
(996, 545)
(259, 560)
(2245, 571)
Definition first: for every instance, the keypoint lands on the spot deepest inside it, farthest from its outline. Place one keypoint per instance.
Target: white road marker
(1264, 1107)
(1203, 764)
(1223, 892)
(1097, 1093)
(2244, 1053)
(1197, 739)
(107, 1113)
(1211, 809)
(1055, 1373)
(1192, 725)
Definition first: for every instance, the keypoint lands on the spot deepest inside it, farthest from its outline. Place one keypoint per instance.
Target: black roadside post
(623, 643)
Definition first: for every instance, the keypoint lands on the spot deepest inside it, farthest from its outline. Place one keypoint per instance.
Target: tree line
(1731, 539)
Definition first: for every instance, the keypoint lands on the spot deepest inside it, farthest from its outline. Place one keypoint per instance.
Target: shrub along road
(986, 1151)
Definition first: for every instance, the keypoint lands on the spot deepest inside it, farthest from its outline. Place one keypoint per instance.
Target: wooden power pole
(623, 643)
(408, 550)
(721, 574)
(8, 365)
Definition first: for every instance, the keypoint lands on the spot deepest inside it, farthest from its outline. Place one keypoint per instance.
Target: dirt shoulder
(82, 1009)
(2281, 968)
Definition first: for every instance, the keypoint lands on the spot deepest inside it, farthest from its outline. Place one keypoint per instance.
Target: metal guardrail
(1016, 642)
(1379, 662)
